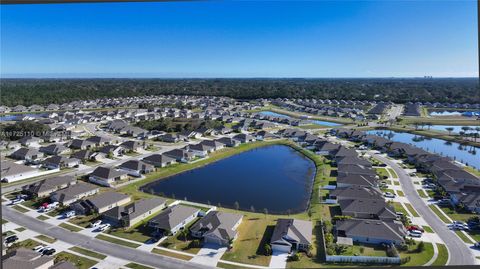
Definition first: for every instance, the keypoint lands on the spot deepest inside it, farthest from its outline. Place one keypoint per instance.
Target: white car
(69, 214)
(39, 248)
(104, 227)
(415, 233)
(17, 201)
(389, 195)
(96, 223)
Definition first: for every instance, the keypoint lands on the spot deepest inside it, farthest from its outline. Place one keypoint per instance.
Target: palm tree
(449, 129)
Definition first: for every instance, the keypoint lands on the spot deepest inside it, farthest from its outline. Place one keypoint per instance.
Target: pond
(456, 129)
(17, 117)
(464, 154)
(319, 122)
(275, 177)
(454, 113)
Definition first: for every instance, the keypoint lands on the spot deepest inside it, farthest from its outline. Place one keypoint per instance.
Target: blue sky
(241, 39)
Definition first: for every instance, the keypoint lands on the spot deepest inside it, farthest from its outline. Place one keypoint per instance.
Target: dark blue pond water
(276, 177)
(464, 154)
(319, 122)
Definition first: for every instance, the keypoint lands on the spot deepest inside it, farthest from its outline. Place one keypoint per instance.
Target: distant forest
(46, 91)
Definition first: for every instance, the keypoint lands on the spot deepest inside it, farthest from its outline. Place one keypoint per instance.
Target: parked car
(11, 239)
(104, 227)
(39, 248)
(444, 202)
(48, 251)
(17, 201)
(22, 196)
(389, 195)
(415, 233)
(69, 214)
(96, 223)
(415, 228)
(476, 245)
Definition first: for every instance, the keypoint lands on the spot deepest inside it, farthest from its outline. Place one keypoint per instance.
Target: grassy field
(400, 193)
(392, 172)
(27, 243)
(79, 261)
(20, 209)
(412, 210)
(442, 257)
(69, 227)
(230, 266)
(171, 254)
(418, 258)
(457, 215)
(382, 172)
(399, 208)
(439, 214)
(46, 238)
(87, 252)
(396, 183)
(117, 241)
(472, 170)
(137, 266)
(83, 221)
(427, 229)
(312, 116)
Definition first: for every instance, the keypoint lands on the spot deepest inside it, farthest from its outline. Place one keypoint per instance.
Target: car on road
(48, 251)
(11, 239)
(17, 201)
(389, 195)
(96, 223)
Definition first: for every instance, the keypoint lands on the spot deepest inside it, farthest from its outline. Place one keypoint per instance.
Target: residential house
(23, 258)
(367, 209)
(136, 168)
(229, 142)
(213, 144)
(159, 160)
(371, 231)
(58, 162)
(45, 187)
(174, 218)
(200, 149)
(131, 214)
(27, 154)
(244, 138)
(291, 234)
(107, 176)
(11, 171)
(113, 150)
(100, 203)
(81, 144)
(217, 227)
(130, 146)
(73, 193)
(180, 155)
(54, 149)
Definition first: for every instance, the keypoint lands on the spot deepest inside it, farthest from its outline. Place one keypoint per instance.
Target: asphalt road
(459, 253)
(97, 245)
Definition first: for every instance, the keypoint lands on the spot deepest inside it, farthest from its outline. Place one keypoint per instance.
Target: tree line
(46, 91)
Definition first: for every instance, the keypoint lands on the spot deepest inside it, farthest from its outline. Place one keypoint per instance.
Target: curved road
(459, 253)
(76, 239)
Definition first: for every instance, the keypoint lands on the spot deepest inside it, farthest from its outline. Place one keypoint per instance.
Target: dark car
(11, 239)
(49, 251)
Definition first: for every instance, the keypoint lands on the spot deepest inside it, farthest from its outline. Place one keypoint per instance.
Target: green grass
(382, 172)
(69, 227)
(46, 238)
(4, 221)
(427, 229)
(457, 215)
(117, 241)
(87, 252)
(171, 254)
(472, 170)
(396, 183)
(439, 214)
(422, 193)
(418, 258)
(365, 250)
(27, 243)
(137, 266)
(78, 261)
(399, 208)
(412, 210)
(230, 266)
(464, 237)
(20, 209)
(400, 193)
(42, 217)
(20, 229)
(178, 242)
(392, 172)
(442, 257)
(83, 221)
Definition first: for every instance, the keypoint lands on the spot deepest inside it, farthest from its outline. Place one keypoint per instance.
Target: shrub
(392, 251)
(421, 246)
(268, 249)
(293, 258)
(328, 238)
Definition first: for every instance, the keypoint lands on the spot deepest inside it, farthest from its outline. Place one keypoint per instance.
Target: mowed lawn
(253, 233)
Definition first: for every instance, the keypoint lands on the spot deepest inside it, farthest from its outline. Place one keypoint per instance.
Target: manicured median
(412, 210)
(442, 257)
(69, 227)
(137, 266)
(46, 238)
(171, 254)
(439, 213)
(87, 252)
(79, 261)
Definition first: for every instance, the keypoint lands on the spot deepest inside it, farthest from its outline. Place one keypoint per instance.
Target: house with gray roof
(81, 144)
(217, 227)
(27, 154)
(371, 231)
(367, 209)
(355, 192)
(291, 234)
(58, 162)
(54, 149)
(100, 203)
(229, 142)
(45, 187)
(73, 193)
(159, 160)
(136, 168)
(180, 155)
(106, 176)
(11, 171)
(23, 258)
(174, 218)
(356, 180)
(130, 214)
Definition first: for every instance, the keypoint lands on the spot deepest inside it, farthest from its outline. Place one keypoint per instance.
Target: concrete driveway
(209, 254)
(278, 260)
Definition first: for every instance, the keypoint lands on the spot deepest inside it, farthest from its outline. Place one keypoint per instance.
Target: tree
(267, 249)
(265, 211)
(252, 209)
(421, 246)
(236, 205)
(449, 129)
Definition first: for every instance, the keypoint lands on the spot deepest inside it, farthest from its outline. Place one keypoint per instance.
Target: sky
(241, 39)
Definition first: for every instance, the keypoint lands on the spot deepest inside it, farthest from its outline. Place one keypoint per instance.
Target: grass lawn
(439, 214)
(78, 261)
(399, 208)
(392, 172)
(42, 217)
(171, 254)
(442, 255)
(69, 227)
(27, 243)
(397, 183)
(427, 229)
(84, 221)
(318, 257)
(365, 250)
(418, 258)
(117, 241)
(464, 237)
(20, 229)
(88, 252)
(412, 210)
(4, 221)
(457, 215)
(35, 203)
(422, 193)
(137, 266)
(475, 235)
(253, 234)
(400, 193)
(472, 170)
(382, 172)
(177, 242)
(20, 209)
(230, 266)
(46, 238)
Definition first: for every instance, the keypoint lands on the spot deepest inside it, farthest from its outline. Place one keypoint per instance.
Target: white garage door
(280, 248)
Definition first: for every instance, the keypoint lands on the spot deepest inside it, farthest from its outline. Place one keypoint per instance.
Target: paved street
(93, 244)
(459, 253)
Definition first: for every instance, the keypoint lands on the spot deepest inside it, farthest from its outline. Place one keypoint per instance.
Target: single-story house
(229, 142)
(217, 227)
(54, 149)
(45, 187)
(131, 214)
(291, 234)
(174, 218)
(23, 258)
(100, 203)
(57, 162)
(11, 171)
(136, 168)
(106, 176)
(180, 155)
(372, 231)
(27, 154)
(132, 145)
(73, 193)
(159, 160)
